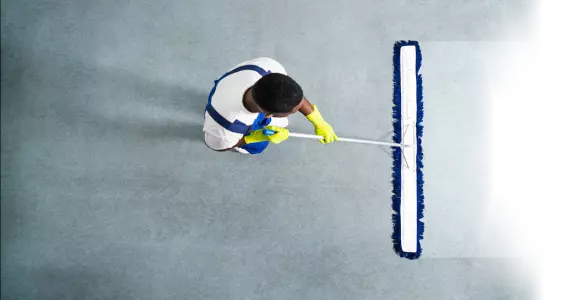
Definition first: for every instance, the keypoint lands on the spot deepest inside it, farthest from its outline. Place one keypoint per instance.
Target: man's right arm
(281, 134)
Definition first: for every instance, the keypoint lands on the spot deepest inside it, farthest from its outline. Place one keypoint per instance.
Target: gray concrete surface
(108, 191)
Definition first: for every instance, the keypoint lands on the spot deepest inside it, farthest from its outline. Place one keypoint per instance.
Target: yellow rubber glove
(257, 136)
(322, 128)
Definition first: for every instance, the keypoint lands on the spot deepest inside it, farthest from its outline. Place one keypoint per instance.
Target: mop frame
(408, 198)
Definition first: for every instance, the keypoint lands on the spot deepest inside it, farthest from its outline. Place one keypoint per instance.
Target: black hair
(277, 93)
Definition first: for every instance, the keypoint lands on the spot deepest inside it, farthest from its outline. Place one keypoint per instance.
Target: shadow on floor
(119, 102)
(158, 109)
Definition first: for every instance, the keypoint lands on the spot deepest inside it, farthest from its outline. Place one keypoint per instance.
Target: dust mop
(407, 199)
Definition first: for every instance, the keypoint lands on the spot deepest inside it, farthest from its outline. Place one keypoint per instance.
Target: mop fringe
(397, 156)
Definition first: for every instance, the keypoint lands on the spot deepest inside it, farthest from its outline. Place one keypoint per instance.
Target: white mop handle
(318, 137)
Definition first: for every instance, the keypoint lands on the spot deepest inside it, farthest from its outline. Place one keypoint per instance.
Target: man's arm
(306, 107)
(322, 128)
(240, 143)
(256, 136)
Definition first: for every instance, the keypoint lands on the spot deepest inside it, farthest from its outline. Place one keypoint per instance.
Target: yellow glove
(257, 136)
(322, 128)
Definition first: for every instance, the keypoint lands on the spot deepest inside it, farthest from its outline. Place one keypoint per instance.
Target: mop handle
(318, 137)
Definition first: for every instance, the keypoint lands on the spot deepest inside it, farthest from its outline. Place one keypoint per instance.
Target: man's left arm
(306, 107)
(322, 127)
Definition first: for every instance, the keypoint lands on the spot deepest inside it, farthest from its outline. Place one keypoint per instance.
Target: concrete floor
(108, 191)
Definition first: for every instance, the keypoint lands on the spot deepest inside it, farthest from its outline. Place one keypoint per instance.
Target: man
(254, 96)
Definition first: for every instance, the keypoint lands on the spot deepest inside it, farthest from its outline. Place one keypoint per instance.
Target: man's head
(277, 94)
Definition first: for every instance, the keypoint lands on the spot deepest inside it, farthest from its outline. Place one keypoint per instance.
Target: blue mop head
(397, 155)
